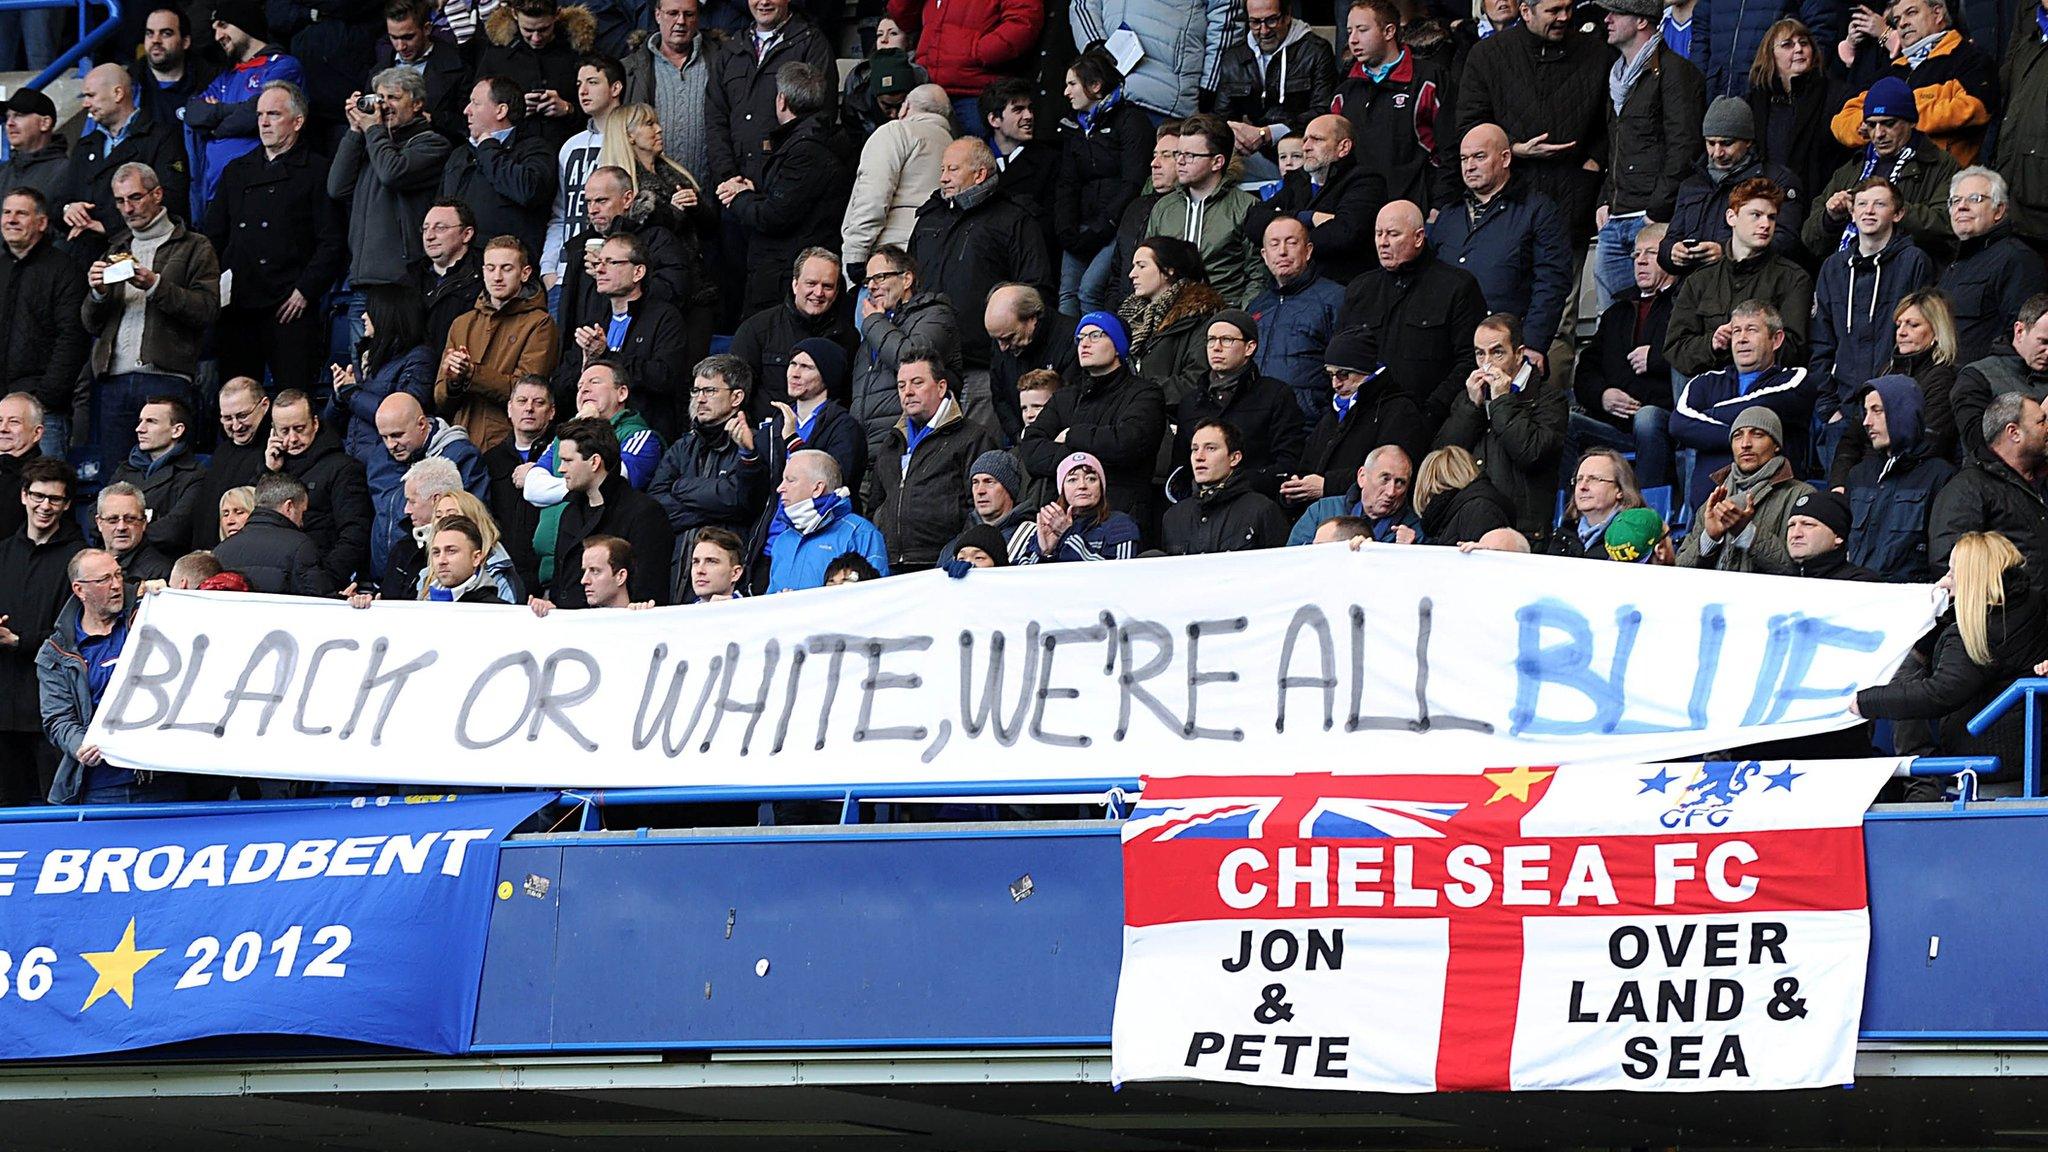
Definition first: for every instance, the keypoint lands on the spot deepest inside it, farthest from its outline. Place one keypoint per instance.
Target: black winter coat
(275, 556)
(1940, 414)
(502, 51)
(1421, 317)
(1992, 276)
(41, 295)
(632, 516)
(448, 78)
(1701, 210)
(704, 482)
(338, 513)
(42, 169)
(1403, 128)
(1353, 194)
(516, 518)
(1053, 349)
(274, 226)
(232, 466)
(1294, 87)
(1981, 382)
(171, 493)
(739, 97)
(34, 587)
(1654, 141)
(1517, 439)
(12, 511)
(1268, 422)
(919, 506)
(1792, 127)
(448, 297)
(667, 275)
(798, 202)
(1116, 417)
(1100, 174)
(1529, 87)
(510, 185)
(768, 338)
(1466, 514)
(1954, 688)
(89, 175)
(1986, 495)
(1232, 518)
(963, 254)
(652, 352)
(1379, 415)
(1605, 364)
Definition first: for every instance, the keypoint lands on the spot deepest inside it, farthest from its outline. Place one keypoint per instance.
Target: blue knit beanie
(1891, 97)
(1111, 326)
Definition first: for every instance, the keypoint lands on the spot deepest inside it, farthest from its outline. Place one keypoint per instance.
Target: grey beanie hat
(1758, 416)
(1002, 468)
(1729, 118)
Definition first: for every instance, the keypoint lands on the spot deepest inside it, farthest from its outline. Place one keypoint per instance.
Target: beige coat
(899, 170)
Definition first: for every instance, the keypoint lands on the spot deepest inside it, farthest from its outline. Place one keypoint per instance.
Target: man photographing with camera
(387, 200)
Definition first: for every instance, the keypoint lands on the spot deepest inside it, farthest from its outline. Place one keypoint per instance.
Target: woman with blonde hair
(497, 566)
(236, 506)
(1923, 347)
(1998, 634)
(1455, 502)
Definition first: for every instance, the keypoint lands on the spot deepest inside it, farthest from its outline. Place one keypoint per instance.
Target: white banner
(1254, 662)
(1671, 928)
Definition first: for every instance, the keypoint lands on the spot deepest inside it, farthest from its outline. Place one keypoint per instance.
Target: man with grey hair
(425, 482)
(21, 440)
(799, 199)
(823, 525)
(123, 524)
(971, 236)
(281, 235)
(150, 313)
(222, 118)
(898, 172)
(272, 551)
(119, 134)
(1998, 486)
(1994, 270)
(386, 171)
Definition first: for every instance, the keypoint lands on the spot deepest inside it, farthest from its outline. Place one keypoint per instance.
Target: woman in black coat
(1105, 161)
(1998, 634)
(1793, 94)
(1923, 347)
(1456, 502)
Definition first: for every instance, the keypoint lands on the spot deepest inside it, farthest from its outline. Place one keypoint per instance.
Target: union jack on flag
(1304, 807)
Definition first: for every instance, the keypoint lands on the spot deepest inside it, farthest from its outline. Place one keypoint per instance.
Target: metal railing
(2024, 692)
(89, 34)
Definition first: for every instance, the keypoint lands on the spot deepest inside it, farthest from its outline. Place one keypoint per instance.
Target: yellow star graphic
(1515, 782)
(117, 969)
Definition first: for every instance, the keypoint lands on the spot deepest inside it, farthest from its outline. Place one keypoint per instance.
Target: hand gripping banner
(1679, 927)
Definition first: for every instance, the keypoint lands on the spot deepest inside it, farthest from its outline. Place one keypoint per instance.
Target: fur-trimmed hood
(577, 22)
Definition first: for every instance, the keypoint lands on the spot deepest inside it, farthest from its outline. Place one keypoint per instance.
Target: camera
(368, 103)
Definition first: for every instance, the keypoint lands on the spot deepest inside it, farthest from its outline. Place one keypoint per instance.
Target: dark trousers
(116, 406)
(253, 343)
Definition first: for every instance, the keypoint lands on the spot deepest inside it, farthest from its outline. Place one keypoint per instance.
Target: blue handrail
(2025, 691)
(88, 38)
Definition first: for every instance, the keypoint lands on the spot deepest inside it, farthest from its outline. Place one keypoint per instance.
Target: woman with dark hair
(1792, 96)
(1168, 315)
(391, 357)
(1079, 525)
(1105, 156)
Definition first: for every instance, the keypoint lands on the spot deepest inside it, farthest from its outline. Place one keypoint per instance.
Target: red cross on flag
(1679, 927)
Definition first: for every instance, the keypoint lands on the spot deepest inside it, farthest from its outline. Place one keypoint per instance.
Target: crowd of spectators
(647, 302)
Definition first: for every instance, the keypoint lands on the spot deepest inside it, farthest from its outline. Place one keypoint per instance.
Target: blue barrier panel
(967, 937)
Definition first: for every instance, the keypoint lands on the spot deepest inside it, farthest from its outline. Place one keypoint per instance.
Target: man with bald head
(1509, 236)
(898, 172)
(1297, 315)
(1418, 311)
(406, 435)
(1332, 196)
(970, 236)
(1024, 335)
(607, 196)
(121, 134)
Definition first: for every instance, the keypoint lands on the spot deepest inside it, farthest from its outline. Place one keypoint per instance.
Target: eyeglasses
(1193, 155)
(99, 579)
(876, 278)
(1224, 341)
(615, 262)
(1970, 198)
(47, 497)
(694, 392)
(1273, 21)
(1577, 480)
(1091, 334)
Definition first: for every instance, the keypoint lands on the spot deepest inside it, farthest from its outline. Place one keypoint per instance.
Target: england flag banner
(1665, 928)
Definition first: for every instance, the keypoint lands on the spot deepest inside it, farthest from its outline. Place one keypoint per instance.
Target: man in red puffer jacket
(966, 45)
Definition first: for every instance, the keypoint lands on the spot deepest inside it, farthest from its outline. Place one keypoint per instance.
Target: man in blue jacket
(1892, 490)
(1509, 236)
(1296, 316)
(1380, 497)
(816, 525)
(1708, 403)
(73, 668)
